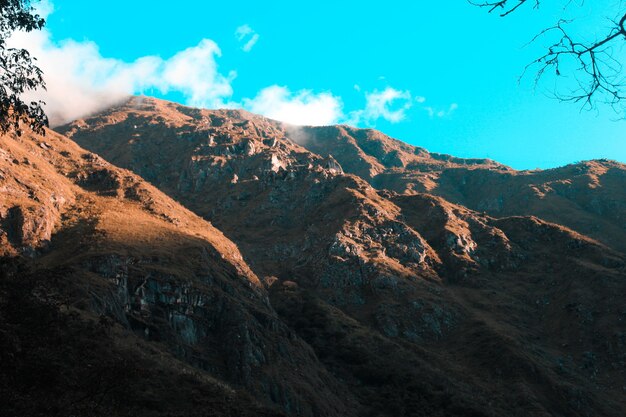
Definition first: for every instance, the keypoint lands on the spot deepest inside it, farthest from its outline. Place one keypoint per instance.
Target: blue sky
(443, 77)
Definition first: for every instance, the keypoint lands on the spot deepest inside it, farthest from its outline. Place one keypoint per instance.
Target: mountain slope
(418, 305)
(587, 196)
(114, 246)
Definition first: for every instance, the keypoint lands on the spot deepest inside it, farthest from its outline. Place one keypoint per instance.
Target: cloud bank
(300, 108)
(80, 81)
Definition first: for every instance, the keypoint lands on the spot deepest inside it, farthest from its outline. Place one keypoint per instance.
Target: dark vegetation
(387, 376)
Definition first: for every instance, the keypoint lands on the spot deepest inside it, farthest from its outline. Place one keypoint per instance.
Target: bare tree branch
(597, 73)
(504, 5)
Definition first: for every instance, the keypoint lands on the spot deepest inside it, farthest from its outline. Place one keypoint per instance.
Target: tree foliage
(18, 71)
(595, 64)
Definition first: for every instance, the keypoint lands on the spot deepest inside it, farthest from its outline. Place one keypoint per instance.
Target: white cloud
(248, 36)
(242, 31)
(248, 46)
(440, 113)
(194, 73)
(81, 81)
(300, 108)
(379, 104)
(389, 104)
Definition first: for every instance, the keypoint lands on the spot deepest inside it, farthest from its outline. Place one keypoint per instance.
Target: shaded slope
(68, 361)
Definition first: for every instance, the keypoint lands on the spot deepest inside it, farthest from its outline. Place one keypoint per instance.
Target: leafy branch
(18, 71)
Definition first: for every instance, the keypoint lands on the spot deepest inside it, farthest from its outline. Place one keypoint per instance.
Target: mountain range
(161, 260)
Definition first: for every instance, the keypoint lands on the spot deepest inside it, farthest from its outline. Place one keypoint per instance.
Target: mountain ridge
(326, 294)
(479, 184)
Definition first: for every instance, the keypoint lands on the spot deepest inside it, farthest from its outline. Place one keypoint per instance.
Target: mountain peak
(280, 261)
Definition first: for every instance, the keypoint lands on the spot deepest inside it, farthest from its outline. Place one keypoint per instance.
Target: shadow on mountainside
(58, 360)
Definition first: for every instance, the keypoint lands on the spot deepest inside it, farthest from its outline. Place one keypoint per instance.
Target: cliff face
(420, 284)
